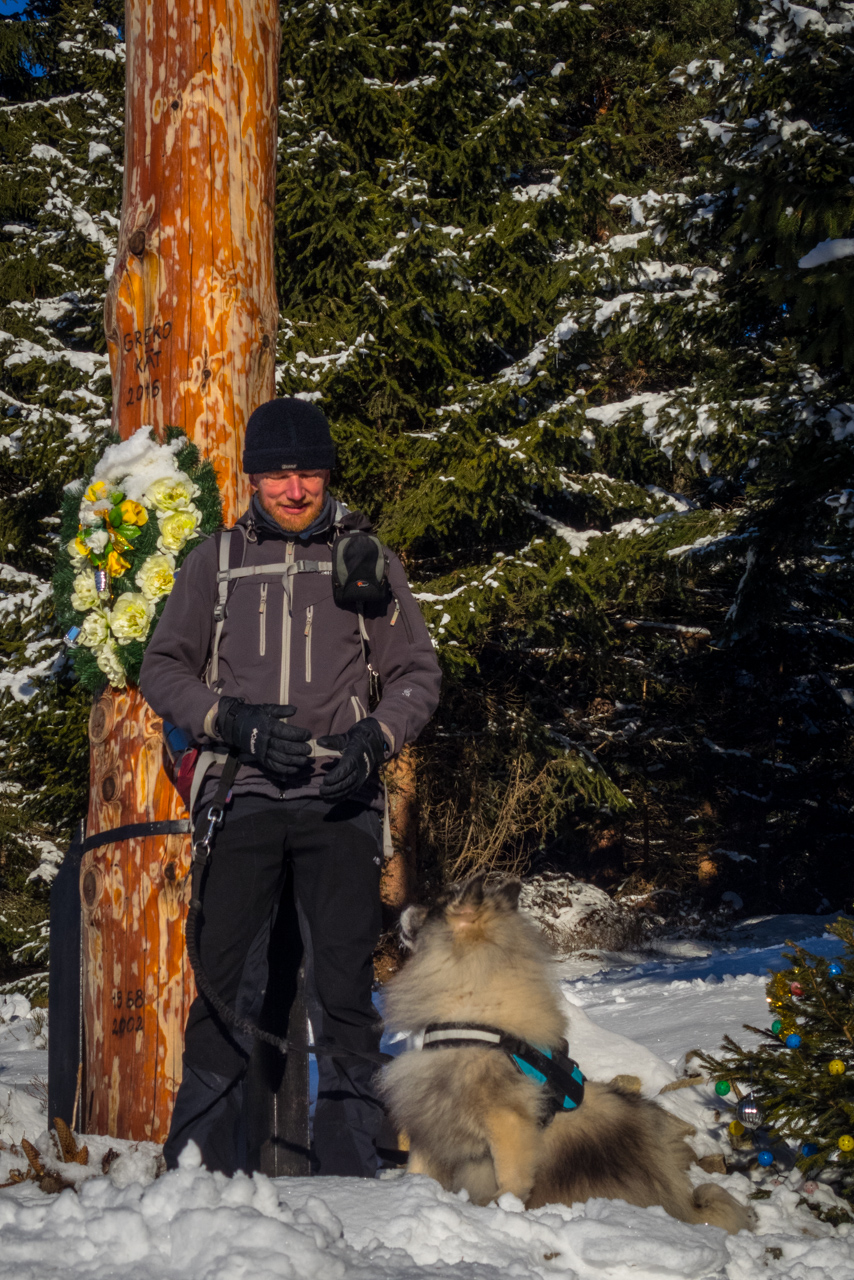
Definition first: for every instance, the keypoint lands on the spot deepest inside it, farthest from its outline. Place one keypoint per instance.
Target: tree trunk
(399, 872)
(191, 320)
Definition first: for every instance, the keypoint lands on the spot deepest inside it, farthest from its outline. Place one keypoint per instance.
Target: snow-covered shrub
(576, 916)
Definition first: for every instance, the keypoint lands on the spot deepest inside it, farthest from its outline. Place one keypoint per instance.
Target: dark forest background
(575, 285)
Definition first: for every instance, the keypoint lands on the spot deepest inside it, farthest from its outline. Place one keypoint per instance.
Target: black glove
(260, 737)
(362, 748)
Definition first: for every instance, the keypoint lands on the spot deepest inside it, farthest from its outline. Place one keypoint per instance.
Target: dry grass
(491, 824)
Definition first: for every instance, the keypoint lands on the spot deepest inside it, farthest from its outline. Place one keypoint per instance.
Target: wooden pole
(190, 320)
(399, 872)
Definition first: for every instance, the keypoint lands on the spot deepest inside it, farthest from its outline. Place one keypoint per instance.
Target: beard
(292, 521)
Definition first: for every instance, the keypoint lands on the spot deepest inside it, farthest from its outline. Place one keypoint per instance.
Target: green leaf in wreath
(117, 497)
(115, 517)
(129, 531)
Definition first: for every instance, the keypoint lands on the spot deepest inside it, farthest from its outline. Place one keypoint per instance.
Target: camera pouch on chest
(359, 570)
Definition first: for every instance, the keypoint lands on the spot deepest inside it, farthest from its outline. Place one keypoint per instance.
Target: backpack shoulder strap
(220, 609)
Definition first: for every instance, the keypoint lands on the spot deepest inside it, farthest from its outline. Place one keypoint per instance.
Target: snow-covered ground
(632, 1015)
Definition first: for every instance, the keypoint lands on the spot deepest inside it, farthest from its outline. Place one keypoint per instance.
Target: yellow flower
(131, 616)
(177, 528)
(156, 577)
(116, 564)
(84, 593)
(133, 513)
(171, 493)
(95, 491)
(78, 551)
(95, 630)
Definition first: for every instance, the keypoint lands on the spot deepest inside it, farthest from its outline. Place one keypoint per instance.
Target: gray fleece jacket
(291, 645)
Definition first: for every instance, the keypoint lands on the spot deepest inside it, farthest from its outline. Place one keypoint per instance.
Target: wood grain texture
(190, 320)
(191, 312)
(399, 871)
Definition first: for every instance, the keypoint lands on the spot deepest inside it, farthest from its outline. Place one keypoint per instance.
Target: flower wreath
(126, 528)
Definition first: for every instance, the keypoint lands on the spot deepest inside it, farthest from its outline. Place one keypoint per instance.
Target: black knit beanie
(288, 435)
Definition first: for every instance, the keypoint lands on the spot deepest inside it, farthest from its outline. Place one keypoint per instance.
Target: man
(252, 655)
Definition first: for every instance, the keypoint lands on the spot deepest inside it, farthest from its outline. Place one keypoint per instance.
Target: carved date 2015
(142, 346)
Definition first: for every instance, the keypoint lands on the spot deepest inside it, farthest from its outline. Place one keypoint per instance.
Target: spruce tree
(60, 187)
(550, 270)
(522, 268)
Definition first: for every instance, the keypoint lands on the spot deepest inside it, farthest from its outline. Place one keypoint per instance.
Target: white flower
(156, 577)
(177, 528)
(88, 516)
(131, 616)
(84, 593)
(98, 540)
(171, 493)
(110, 663)
(94, 630)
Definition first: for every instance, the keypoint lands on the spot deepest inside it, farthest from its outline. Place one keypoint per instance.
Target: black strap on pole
(202, 847)
(138, 830)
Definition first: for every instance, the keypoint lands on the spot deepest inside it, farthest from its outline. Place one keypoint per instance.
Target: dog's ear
(411, 920)
(504, 894)
(469, 893)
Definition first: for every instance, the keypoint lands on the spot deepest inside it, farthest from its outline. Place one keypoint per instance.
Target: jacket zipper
(358, 709)
(309, 614)
(285, 672)
(262, 610)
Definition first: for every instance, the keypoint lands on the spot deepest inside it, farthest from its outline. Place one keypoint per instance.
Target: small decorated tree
(802, 1071)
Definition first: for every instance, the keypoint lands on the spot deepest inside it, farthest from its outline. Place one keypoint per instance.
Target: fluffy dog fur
(475, 1122)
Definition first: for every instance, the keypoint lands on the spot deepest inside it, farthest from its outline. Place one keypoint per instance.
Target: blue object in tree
(765, 1158)
(793, 1041)
(834, 970)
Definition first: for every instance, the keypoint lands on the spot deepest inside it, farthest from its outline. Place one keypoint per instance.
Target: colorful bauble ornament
(809, 1149)
(846, 1142)
(836, 1067)
(749, 1112)
(722, 1088)
(765, 1158)
(776, 1027)
(810, 1188)
(834, 970)
(793, 1041)
(736, 1128)
(796, 989)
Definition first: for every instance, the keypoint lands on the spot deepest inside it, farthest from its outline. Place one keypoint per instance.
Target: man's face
(294, 499)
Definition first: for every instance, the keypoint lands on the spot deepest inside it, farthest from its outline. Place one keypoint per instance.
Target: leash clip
(202, 846)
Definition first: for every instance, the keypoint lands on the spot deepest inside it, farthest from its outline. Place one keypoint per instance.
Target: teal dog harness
(553, 1070)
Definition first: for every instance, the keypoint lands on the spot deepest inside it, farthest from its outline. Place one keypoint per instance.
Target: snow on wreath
(126, 528)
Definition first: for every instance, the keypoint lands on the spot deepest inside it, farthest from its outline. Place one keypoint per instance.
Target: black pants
(335, 857)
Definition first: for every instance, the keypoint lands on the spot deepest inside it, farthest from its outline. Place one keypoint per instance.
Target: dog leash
(202, 849)
(552, 1069)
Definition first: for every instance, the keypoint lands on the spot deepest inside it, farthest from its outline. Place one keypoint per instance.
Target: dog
(474, 1119)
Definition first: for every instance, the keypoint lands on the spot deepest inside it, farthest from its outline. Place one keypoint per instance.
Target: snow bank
(189, 1224)
(201, 1226)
